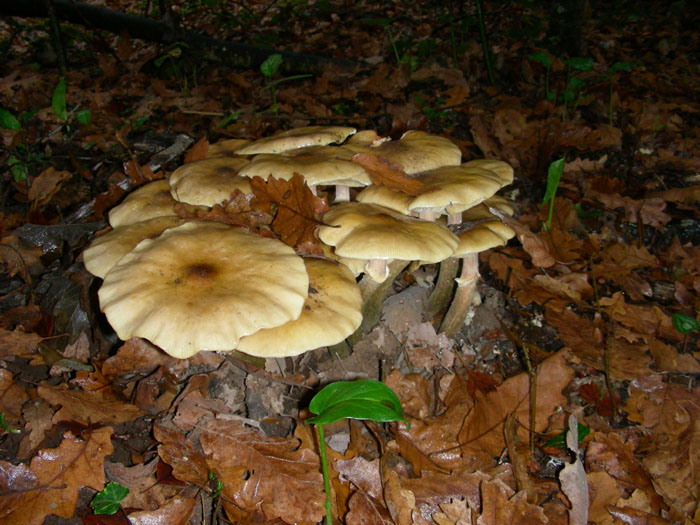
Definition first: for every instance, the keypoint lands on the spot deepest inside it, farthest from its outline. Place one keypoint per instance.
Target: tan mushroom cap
(210, 181)
(481, 211)
(483, 236)
(332, 311)
(146, 202)
(383, 196)
(415, 151)
(203, 286)
(455, 185)
(503, 170)
(298, 138)
(319, 165)
(368, 231)
(226, 148)
(107, 250)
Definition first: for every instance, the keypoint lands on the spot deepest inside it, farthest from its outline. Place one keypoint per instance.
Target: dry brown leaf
(573, 478)
(399, 501)
(12, 397)
(501, 507)
(38, 417)
(176, 511)
(17, 343)
(631, 516)
(668, 359)
(144, 490)
(264, 474)
(533, 243)
(649, 211)
(87, 407)
(643, 319)
(46, 185)
(455, 512)
(296, 210)
(50, 485)
(178, 452)
(363, 474)
(365, 511)
(198, 151)
(386, 173)
(482, 429)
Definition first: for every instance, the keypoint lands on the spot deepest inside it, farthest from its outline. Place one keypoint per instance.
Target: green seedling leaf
(84, 116)
(554, 173)
(228, 119)
(109, 499)
(684, 324)
(5, 426)
(583, 213)
(8, 120)
(559, 441)
(363, 399)
(622, 66)
(18, 169)
(219, 485)
(580, 63)
(271, 65)
(541, 57)
(58, 101)
(576, 84)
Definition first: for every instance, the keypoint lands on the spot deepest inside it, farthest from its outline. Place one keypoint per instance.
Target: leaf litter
(587, 302)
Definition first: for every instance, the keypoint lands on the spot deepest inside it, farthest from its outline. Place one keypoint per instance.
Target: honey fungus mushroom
(203, 286)
(332, 311)
(146, 202)
(210, 181)
(298, 138)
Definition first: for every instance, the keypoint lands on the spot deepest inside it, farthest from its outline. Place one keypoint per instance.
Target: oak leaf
(87, 407)
(386, 173)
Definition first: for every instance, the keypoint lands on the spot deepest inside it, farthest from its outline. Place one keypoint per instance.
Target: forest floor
(587, 319)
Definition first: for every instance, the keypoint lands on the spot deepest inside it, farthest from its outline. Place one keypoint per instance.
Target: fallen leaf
(176, 511)
(386, 173)
(87, 407)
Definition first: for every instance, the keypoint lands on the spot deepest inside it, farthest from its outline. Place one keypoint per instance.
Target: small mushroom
(146, 202)
(298, 138)
(481, 237)
(210, 181)
(203, 286)
(332, 311)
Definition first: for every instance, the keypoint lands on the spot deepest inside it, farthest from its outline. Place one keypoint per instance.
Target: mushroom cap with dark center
(145, 202)
(298, 138)
(202, 286)
(332, 311)
(210, 181)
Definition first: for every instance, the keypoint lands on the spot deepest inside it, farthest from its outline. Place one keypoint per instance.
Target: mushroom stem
(342, 193)
(442, 292)
(464, 296)
(373, 294)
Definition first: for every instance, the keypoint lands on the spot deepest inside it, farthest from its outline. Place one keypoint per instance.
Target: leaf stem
(324, 467)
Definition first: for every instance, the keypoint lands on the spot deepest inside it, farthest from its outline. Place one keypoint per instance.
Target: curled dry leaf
(386, 173)
(176, 511)
(87, 407)
(178, 452)
(264, 474)
(51, 482)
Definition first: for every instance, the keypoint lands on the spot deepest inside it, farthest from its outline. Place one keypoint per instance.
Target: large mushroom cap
(415, 151)
(210, 181)
(298, 138)
(383, 196)
(368, 231)
(483, 236)
(146, 202)
(332, 311)
(202, 286)
(226, 148)
(319, 165)
(503, 170)
(106, 251)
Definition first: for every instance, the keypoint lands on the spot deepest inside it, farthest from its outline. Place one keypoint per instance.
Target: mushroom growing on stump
(210, 181)
(332, 311)
(298, 138)
(481, 237)
(319, 165)
(203, 286)
(380, 235)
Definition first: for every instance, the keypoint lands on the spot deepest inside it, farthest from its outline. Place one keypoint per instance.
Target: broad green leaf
(271, 65)
(559, 440)
(622, 66)
(554, 173)
(576, 84)
(684, 323)
(58, 101)
(362, 399)
(83, 117)
(581, 63)
(8, 120)
(18, 169)
(108, 500)
(542, 58)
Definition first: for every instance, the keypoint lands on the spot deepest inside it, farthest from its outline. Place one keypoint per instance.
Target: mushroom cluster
(254, 293)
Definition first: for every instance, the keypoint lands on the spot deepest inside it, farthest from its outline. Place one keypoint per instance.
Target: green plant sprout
(362, 399)
(484, 41)
(268, 68)
(233, 116)
(554, 173)
(544, 59)
(385, 22)
(684, 324)
(109, 499)
(559, 441)
(617, 66)
(6, 427)
(574, 85)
